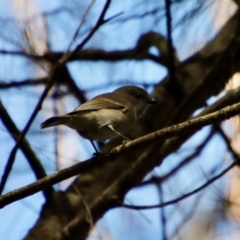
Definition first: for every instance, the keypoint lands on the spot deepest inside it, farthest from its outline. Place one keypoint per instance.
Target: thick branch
(138, 53)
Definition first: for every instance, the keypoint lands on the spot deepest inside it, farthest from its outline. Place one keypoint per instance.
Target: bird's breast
(93, 124)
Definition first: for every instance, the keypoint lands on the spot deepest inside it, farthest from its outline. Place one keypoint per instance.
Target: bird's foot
(96, 154)
(125, 141)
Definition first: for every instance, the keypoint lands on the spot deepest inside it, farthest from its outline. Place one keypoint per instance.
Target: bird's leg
(118, 133)
(96, 151)
(126, 140)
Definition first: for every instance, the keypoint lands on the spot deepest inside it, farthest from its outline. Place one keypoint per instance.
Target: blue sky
(20, 103)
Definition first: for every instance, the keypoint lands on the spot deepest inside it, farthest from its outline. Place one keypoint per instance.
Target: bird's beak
(153, 101)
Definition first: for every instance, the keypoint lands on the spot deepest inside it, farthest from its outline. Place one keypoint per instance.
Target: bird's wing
(99, 103)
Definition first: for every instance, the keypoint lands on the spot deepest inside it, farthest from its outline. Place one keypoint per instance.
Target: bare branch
(210, 181)
(179, 166)
(190, 125)
(171, 62)
(33, 161)
(51, 81)
(27, 82)
(79, 47)
(207, 84)
(81, 24)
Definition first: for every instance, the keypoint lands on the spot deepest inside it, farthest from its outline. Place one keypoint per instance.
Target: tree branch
(50, 83)
(190, 125)
(27, 82)
(179, 166)
(33, 161)
(171, 62)
(211, 180)
(197, 94)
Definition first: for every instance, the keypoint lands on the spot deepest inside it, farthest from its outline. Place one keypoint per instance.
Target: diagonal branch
(81, 24)
(179, 166)
(210, 181)
(54, 75)
(33, 161)
(188, 126)
(203, 90)
(80, 46)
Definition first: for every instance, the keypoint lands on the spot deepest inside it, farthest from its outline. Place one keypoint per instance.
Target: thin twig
(226, 140)
(163, 219)
(99, 23)
(211, 180)
(188, 215)
(170, 41)
(179, 166)
(90, 219)
(81, 24)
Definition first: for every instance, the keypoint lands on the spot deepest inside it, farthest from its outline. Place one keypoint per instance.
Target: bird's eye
(138, 95)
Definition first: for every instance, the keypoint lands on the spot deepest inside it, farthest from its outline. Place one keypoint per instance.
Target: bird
(106, 116)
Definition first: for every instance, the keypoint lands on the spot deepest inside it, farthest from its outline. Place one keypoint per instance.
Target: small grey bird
(106, 116)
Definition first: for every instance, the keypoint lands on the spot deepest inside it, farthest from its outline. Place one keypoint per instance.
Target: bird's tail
(54, 121)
